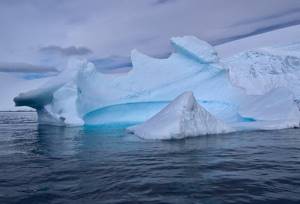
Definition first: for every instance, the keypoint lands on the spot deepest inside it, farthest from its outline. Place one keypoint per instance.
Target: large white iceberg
(81, 95)
(182, 118)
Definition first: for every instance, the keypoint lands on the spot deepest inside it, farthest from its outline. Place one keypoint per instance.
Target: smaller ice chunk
(195, 48)
(183, 117)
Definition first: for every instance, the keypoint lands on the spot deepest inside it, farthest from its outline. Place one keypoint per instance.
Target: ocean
(45, 164)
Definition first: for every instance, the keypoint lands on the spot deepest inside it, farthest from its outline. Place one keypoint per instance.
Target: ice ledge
(195, 48)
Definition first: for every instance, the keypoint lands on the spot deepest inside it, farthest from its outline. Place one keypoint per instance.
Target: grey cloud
(116, 27)
(252, 20)
(159, 2)
(25, 68)
(67, 51)
(118, 63)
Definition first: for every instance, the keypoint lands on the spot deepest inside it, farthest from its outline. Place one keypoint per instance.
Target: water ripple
(58, 165)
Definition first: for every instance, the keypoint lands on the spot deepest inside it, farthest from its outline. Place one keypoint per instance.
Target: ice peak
(184, 102)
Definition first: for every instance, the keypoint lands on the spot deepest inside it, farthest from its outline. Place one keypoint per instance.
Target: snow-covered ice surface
(277, 104)
(182, 118)
(276, 109)
(242, 90)
(259, 71)
(283, 36)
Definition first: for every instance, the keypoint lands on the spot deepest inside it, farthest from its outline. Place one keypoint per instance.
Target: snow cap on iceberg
(195, 48)
(259, 71)
(183, 117)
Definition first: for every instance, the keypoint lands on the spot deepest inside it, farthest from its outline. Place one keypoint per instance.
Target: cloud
(25, 68)
(67, 51)
(159, 2)
(116, 27)
(287, 13)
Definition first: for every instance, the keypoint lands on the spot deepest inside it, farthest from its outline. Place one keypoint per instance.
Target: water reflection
(58, 140)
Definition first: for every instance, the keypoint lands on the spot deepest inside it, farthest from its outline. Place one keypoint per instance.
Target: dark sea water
(59, 165)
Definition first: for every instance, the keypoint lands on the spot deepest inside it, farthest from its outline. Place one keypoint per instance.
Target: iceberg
(182, 118)
(251, 90)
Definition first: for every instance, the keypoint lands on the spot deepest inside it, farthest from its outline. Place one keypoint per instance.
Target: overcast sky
(37, 31)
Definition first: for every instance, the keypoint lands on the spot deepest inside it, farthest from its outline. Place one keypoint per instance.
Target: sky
(38, 34)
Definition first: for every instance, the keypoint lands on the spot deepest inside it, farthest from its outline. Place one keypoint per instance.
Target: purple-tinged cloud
(25, 68)
(65, 51)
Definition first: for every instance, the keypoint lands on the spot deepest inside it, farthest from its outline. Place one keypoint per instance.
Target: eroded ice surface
(259, 71)
(182, 118)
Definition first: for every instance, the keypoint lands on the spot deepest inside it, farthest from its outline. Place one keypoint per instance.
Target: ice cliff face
(153, 83)
(182, 118)
(225, 88)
